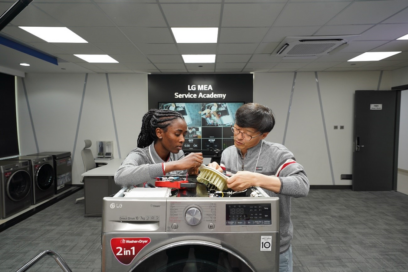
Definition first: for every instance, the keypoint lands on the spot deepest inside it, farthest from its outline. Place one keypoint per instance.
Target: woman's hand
(192, 160)
(216, 166)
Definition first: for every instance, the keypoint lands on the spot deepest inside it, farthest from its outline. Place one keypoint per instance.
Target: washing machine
(42, 172)
(15, 186)
(62, 169)
(154, 229)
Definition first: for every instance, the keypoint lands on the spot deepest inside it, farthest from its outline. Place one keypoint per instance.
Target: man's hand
(241, 180)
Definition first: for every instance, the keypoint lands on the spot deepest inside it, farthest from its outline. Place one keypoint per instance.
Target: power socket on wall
(337, 127)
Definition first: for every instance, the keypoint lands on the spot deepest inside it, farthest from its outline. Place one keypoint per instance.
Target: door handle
(358, 146)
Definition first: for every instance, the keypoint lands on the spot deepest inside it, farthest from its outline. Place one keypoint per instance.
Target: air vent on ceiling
(311, 47)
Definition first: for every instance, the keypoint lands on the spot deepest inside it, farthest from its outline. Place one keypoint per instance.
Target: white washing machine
(151, 229)
(42, 171)
(15, 187)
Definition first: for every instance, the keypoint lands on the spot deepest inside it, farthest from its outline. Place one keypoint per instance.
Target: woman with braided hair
(159, 150)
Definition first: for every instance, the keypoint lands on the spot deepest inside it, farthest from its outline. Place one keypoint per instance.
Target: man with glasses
(271, 166)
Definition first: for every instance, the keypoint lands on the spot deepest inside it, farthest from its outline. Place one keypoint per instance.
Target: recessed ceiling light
(374, 56)
(54, 34)
(198, 58)
(24, 64)
(403, 37)
(96, 58)
(195, 34)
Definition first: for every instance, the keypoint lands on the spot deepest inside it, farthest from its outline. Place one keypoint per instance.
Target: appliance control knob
(174, 226)
(193, 216)
(211, 226)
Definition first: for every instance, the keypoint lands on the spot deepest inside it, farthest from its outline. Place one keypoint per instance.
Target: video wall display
(208, 124)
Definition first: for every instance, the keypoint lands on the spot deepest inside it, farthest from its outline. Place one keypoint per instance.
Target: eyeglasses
(245, 135)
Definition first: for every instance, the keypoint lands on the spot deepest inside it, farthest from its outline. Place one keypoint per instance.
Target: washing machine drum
(44, 177)
(19, 185)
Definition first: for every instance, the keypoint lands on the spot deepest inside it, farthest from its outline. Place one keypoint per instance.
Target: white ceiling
(137, 34)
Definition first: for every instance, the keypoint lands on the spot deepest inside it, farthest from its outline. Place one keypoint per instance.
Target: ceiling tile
(157, 49)
(19, 35)
(234, 65)
(260, 65)
(204, 66)
(132, 14)
(242, 35)
(140, 66)
(236, 48)
(265, 58)
(32, 16)
(233, 58)
(95, 34)
(79, 48)
(117, 48)
(165, 58)
(170, 66)
(164, 71)
(384, 32)
(399, 18)
(335, 30)
(393, 46)
(148, 34)
(73, 14)
(192, 15)
(134, 58)
(197, 48)
(266, 48)
(111, 66)
(361, 46)
(250, 15)
(371, 12)
(48, 48)
(309, 14)
(277, 34)
(318, 66)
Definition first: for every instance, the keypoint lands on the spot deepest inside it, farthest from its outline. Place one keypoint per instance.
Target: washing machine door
(19, 185)
(44, 177)
(192, 256)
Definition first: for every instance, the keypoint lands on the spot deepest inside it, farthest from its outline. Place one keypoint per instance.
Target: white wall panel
(25, 129)
(129, 97)
(274, 90)
(54, 101)
(400, 77)
(337, 92)
(305, 134)
(96, 120)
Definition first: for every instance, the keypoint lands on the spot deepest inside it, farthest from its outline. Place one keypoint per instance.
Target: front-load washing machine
(15, 186)
(62, 169)
(151, 229)
(42, 171)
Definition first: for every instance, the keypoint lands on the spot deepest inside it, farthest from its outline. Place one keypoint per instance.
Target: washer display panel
(19, 185)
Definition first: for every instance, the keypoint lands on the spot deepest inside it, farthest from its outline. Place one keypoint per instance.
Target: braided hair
(155, 119)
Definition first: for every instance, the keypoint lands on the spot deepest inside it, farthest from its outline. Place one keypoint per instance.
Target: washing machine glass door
(44, 177)
(192, 257)
(19, 185)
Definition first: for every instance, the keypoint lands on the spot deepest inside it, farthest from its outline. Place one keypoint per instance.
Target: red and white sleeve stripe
(284, 165)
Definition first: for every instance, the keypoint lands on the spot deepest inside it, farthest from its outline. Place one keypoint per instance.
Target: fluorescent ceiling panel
(96, 58)
(24, 64)
(373, 56)
(403, 37)
(195, 34)
(198, 58)
(54, 34)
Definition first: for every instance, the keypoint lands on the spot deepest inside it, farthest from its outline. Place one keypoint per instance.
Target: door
(374, 140)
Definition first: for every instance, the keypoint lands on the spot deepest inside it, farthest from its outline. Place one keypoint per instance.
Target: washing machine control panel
(248, 214)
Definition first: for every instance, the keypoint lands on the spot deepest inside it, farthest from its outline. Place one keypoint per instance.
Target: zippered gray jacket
(271, 159)
(144, 164)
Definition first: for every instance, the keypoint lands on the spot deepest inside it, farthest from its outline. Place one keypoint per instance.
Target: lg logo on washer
(118, 206)
(126, 249)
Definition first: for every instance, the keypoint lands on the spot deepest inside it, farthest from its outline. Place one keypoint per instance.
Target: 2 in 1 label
(126, 249)
(266, 243)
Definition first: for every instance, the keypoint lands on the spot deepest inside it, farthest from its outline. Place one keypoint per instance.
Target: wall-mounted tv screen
(208, 124)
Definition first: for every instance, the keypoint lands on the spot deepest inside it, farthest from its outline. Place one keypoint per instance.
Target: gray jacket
(269, 158)
(144, 164)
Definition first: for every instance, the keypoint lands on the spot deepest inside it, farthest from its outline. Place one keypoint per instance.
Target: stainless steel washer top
(168, 232)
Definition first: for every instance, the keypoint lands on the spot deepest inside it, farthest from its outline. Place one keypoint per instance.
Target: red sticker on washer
(126, 249)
